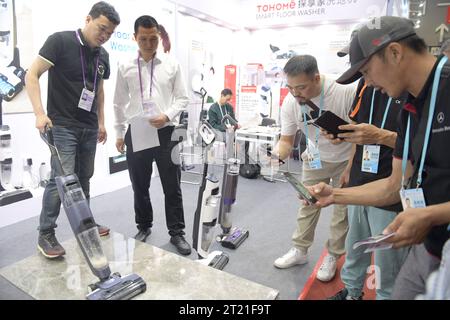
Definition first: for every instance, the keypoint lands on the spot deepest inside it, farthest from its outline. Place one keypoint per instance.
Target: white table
(259, 135)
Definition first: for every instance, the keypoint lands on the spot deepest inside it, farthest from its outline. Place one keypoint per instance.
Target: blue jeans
(76, 147)
(365, 222)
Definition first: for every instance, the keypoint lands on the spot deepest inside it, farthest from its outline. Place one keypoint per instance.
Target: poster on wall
(14, 54)
(249, 106)
(274, 47)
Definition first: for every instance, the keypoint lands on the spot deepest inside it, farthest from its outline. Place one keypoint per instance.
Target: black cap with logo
(371, 38)
(345, 50)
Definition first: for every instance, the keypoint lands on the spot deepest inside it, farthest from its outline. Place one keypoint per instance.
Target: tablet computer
(330, 122)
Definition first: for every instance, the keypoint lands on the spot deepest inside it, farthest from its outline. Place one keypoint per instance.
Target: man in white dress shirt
(150, 93)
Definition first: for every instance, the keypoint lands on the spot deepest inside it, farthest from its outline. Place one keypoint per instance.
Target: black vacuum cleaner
(110, 286)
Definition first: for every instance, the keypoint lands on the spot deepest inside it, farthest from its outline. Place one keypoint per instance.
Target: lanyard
(437, 76)
(385, 112)
(220, 108)
(322, 97)
(83, 69)
(140, 77)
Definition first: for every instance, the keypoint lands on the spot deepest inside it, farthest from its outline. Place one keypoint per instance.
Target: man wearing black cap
(373, 135)
(445, 48)
(394, 59)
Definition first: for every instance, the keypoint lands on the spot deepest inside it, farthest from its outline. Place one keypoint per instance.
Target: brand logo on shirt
(440, 117)
(101, 70)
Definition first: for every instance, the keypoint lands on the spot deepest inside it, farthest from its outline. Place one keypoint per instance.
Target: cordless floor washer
(232, 237)
(205, 217)
(110, 286)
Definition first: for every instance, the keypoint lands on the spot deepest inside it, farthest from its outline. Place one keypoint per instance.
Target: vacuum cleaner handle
(47, 136)
(230, 119)
(203, 92)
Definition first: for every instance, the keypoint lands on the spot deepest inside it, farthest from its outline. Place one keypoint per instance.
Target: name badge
(370, 159)
(313, 157)
(86, 100)
(150, 109)
(412, 198)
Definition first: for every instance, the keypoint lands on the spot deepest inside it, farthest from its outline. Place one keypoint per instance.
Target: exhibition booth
(239, 45)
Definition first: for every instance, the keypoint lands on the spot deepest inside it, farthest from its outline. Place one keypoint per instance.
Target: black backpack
(250, 170)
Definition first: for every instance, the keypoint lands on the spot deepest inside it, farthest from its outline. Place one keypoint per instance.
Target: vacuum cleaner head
(118, 288)
(76, 206)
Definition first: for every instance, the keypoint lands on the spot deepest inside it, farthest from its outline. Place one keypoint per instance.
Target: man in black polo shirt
(77, 65)
(374, 130)
(392, 58)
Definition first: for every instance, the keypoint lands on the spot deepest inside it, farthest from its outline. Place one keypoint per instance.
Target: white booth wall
(198, 45)
(37, 20)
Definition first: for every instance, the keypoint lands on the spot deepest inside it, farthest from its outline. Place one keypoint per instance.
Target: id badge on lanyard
(150, 109)
(371, 158)
(414, 198)
(313, 156)
(86, 100)
(411, 198)
(312, 151)
(371, 153)
(87, 96)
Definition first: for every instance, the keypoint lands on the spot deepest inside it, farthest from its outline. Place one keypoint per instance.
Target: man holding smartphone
(373, 135)
(323, 161)
(394, 59)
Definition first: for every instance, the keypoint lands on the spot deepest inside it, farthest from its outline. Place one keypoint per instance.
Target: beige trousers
(308, 216)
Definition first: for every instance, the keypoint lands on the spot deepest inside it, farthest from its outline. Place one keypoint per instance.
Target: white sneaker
(291, 258)
(328, 269)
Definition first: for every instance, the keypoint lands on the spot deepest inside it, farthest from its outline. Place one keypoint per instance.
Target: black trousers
(140, 170)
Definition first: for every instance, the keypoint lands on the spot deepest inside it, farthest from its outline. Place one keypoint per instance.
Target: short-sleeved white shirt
(338, 99)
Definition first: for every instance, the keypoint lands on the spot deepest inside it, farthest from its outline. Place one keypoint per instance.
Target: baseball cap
(345, 50)
(371, 38)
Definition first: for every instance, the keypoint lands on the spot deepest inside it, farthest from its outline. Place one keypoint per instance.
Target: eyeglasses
(103, 30)
(297, 88)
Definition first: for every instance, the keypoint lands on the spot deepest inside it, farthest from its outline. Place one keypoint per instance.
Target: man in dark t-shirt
(392, 58)
(77, 65)
(373, 135)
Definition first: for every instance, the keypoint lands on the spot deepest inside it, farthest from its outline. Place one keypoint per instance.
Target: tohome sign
(276, 12)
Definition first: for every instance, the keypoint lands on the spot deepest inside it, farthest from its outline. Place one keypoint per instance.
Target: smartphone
(330, 122)
(300, 188)
(272, 156)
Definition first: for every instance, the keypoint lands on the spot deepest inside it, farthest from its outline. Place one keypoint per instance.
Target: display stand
(8, 196)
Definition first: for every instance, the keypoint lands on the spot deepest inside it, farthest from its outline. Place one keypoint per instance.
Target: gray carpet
(267, 210)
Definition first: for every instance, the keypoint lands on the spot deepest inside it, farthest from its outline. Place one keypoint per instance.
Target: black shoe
(188, 167)
(143, 234)
(180, 243)
(343, 295)
(49, 246)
